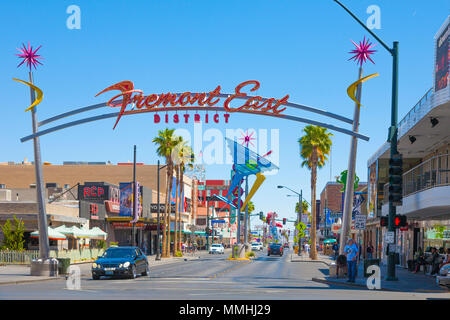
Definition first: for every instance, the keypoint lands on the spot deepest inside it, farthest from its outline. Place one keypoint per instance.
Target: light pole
(158, 243)
(300, 202)
(392, 135)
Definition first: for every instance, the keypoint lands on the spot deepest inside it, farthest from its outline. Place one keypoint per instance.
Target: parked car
(443, 279)
(275, 248)
(257, 246)
(121, 261)
(216, 248)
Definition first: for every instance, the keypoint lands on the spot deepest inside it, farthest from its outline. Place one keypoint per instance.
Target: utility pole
(158, 241)
(392, 134)
(207, 225)
(134, 213)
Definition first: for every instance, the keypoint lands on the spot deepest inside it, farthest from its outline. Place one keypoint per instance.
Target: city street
(212, 277)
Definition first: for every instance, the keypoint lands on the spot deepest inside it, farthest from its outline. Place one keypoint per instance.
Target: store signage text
(172, 102)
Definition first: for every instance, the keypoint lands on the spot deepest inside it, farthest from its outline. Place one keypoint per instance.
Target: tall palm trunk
(181, 200)
(175, 241)
(164, 252)
(313, 252)
(169, 215)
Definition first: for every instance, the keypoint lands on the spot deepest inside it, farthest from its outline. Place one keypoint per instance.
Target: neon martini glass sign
(173, 101)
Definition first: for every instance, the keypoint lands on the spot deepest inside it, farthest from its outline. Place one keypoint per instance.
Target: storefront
(437, 235)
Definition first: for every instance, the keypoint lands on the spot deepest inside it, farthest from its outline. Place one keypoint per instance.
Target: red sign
(93, 191)
(153, 102)
(127, 225)
(113, 207)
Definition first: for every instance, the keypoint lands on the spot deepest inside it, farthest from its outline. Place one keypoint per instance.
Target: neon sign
(174, 102)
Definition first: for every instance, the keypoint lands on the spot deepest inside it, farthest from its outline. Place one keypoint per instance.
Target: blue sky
(298, 48)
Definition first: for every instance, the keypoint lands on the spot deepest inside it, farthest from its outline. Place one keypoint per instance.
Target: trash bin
(63, 265)
(370, 262)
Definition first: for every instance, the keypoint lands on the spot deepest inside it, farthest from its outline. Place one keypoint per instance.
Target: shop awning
(98, 233)
(52, 234)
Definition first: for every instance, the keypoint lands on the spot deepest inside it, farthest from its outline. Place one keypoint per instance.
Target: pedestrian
(307, 247)
(446, 259)
(435, 261)
(351, 252)
(336, 250)
(419, 259)
(369, 250)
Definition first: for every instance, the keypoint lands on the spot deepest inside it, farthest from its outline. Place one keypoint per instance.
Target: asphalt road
(211, 277)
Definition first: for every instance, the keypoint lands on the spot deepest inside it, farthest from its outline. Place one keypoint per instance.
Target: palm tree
(315, 146)
(305, 207)
(187, 159)
(166, 142)
(251, 208)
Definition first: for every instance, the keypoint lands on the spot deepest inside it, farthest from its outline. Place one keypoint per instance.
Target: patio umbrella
(63, 229)
(52, 234)
(96, 233)
(77, 232)
(329, 241)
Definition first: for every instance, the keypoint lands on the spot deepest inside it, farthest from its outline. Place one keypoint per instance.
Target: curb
(29, 281)
(354, 285)
(314, 261)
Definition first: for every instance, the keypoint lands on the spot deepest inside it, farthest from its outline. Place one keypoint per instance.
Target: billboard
(126, 199)
(372, 190)
(442, 57)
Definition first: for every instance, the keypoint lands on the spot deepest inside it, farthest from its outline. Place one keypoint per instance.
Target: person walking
(351, 252)
(307, 248)
(369, 250)
(336, 250)
(435, 262)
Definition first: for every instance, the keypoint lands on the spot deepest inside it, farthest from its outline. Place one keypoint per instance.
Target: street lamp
(299, 210)
(158, 244)
(392, 135)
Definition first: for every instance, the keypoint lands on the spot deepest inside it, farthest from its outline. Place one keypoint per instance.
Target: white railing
(18, 257)
(432, 173)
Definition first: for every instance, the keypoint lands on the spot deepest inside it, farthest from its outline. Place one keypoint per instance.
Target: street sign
(390, 237)
(360, 222)
(201, 187)
(217, 221)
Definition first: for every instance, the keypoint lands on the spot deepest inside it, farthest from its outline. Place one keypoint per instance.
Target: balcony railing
(432, 173)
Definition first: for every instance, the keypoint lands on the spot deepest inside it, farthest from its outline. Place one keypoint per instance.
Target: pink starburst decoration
(362, 51)
(29, 56)
(247, 138)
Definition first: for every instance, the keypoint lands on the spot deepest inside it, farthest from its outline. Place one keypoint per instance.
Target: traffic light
(395, 179)
(284, 220)
(400, 221)
(384, 221)
(261, 215)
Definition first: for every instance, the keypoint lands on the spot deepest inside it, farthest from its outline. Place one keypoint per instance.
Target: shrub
(178, 254)
(250, 254)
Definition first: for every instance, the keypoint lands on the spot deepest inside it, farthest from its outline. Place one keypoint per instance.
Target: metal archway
(195, 108)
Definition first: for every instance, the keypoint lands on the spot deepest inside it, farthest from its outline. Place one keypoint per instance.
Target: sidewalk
(305, 258)
(407, 281)
(17, 274)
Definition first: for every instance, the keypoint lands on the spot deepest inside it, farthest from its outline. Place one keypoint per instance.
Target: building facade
(424, 143)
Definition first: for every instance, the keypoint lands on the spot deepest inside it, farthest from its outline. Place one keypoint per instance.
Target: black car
(121, 261)
(275, 248)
